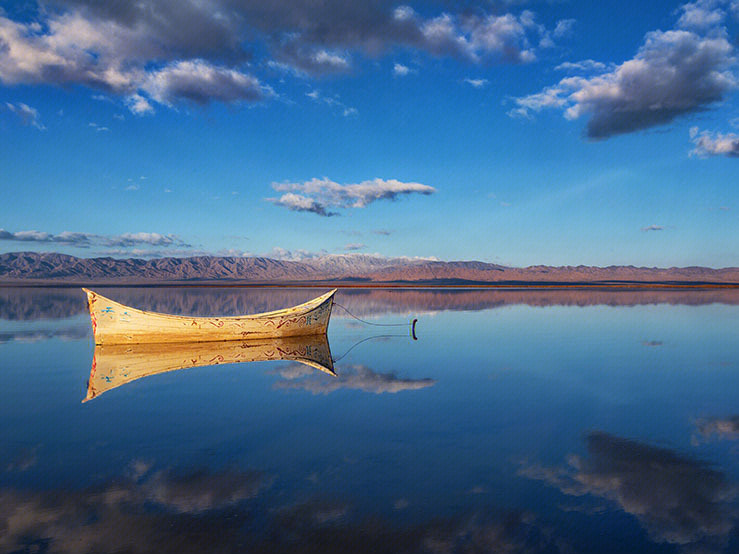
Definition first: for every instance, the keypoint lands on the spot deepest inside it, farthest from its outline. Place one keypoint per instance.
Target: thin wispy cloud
(674, 73)
(348, 259)
(476, 83)
(307, 60)
(26, 114)
(563, 28)
(155, 239)
(653, 228)
(297, 255)
(319, 196)
(166, 251)
(354, 246)
(584, 66)
(332, 101)
(87, 240)
(714, 144)
(98, 127)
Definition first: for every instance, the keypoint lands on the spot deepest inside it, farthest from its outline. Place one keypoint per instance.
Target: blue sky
(521, 133)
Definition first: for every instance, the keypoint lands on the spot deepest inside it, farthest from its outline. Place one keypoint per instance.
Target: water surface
(519, 421)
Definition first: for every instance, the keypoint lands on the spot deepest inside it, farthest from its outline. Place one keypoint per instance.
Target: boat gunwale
(299, 308)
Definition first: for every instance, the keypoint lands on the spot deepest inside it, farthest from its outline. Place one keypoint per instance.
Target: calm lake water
(519, 421)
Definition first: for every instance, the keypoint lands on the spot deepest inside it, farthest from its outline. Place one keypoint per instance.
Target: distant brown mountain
(52, 268)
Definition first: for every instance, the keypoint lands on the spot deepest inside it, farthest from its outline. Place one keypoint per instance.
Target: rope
(369, 322)
(353, 346)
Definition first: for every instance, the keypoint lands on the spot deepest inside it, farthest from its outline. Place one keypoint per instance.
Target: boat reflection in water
(117, 364)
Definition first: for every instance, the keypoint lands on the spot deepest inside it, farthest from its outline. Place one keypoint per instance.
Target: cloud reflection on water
(218, 512)
(677, 499)
(720, 428)
(164, 512)
(352, 377)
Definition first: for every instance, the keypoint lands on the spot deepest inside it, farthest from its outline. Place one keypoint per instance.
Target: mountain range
(54, 268)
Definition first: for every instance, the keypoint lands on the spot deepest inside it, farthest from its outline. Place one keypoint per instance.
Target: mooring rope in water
(353, 346)
(411, 324)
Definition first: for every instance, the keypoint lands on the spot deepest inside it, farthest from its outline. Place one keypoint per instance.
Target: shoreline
(509, 285)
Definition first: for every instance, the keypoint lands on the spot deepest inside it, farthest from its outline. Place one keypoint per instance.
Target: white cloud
(200, 82)
(319, 195)
(173, 50)
(300, 203)
(139, 105)
(401, 70)
(480, 38)
(653, 228)
(81, 47)
(477, 83)
(714, 144)
(336, 61)
(674, 73)
(701, 15)
(355, 246)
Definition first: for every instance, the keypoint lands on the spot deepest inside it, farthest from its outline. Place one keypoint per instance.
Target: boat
(114, 365)
(115, 323)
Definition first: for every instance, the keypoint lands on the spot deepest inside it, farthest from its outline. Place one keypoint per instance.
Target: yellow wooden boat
(117, 364)
(114, 323)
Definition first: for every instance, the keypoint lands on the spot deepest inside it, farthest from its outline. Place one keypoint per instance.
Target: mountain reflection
(677, 499)
(117, 364)
(76, 332)
(356, 377)
(50, 303)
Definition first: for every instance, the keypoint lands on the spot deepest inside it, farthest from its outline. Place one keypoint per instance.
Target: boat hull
(115, 323)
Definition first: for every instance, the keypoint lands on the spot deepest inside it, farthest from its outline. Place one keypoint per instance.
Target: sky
(557, 132)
